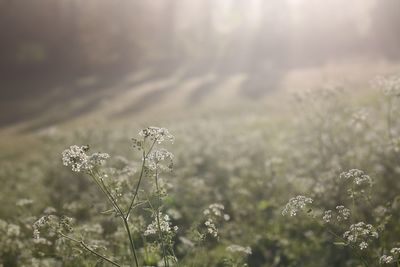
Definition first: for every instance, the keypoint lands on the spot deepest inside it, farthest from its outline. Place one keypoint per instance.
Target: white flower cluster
(76, 157)
(53, 223)
(390, 258)
(327, 216)
(296, 204)
(214, 213)
(395, 251)
(211, 228)
(42, 222)
(24, 202)
(386, 259)
(343, 214)
(239, 249)
(360, 233)
(160, 159)
(358, 177)
(217, 210)
(157, 134)
(358, 120)
(395, 144)
(165, 226)
(390, 85)
(158, 156)
(9, 230)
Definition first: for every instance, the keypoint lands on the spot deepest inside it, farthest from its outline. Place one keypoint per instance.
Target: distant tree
(386, 28)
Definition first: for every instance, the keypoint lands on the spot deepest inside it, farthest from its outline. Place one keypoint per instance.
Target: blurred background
(62, 60)
(222, 76)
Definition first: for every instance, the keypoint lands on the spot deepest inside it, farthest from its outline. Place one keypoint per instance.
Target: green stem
(80, 242)
(353, 249)
(145, 155)
(118, 210)
(112, 198)
(132, 245)
(158, 219)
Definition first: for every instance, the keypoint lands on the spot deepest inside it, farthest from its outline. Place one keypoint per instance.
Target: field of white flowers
(313, 183)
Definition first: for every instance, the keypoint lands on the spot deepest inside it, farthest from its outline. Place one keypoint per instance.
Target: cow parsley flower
(240, 249)
(390, 85)
(343, 213)
(296, 204)
(363, 245)
(157, 134)
(358, 177)
(157, 156)
(40, 223)
(76, 157)
(360, 233)
(211, 227)
(386, 259)
(24, 202)
(165, 226)
(214, 214)
(327, 216)
(13, 230)
(215, 209)
(395, 251)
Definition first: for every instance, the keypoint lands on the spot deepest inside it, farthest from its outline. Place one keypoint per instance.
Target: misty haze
(199, 133)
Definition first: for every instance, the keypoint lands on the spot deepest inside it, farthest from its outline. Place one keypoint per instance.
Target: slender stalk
(119, 211)
(132, 245)
(353, 249)
(115, 207)
(89, 249)
(145, 155)
(112, 198)
(158, 219)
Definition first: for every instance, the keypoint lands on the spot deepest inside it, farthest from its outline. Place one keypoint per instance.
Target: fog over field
(199, 133)
(72, 56)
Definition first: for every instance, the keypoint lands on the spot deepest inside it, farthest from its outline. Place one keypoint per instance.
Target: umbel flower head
(239, 249)
(163, 224)
(390, 85)
(76, 157)
(157, 134)
(358, 177)
(296, 204)
(387, 259)
(361, 234)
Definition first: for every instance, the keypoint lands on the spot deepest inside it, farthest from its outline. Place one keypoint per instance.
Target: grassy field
(295, 178)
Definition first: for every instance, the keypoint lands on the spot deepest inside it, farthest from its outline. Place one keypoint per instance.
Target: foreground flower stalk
(79, 161)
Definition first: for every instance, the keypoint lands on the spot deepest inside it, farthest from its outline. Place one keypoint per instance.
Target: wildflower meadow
(316, 184)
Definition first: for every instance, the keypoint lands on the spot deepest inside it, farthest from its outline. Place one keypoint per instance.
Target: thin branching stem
(353, 249)
(158, 219)
(145, 155)
(85, 246)
(115, 207)
(119, 211)
(132, 245)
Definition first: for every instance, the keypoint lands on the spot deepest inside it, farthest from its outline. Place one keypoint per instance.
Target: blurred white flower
(296, 204)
